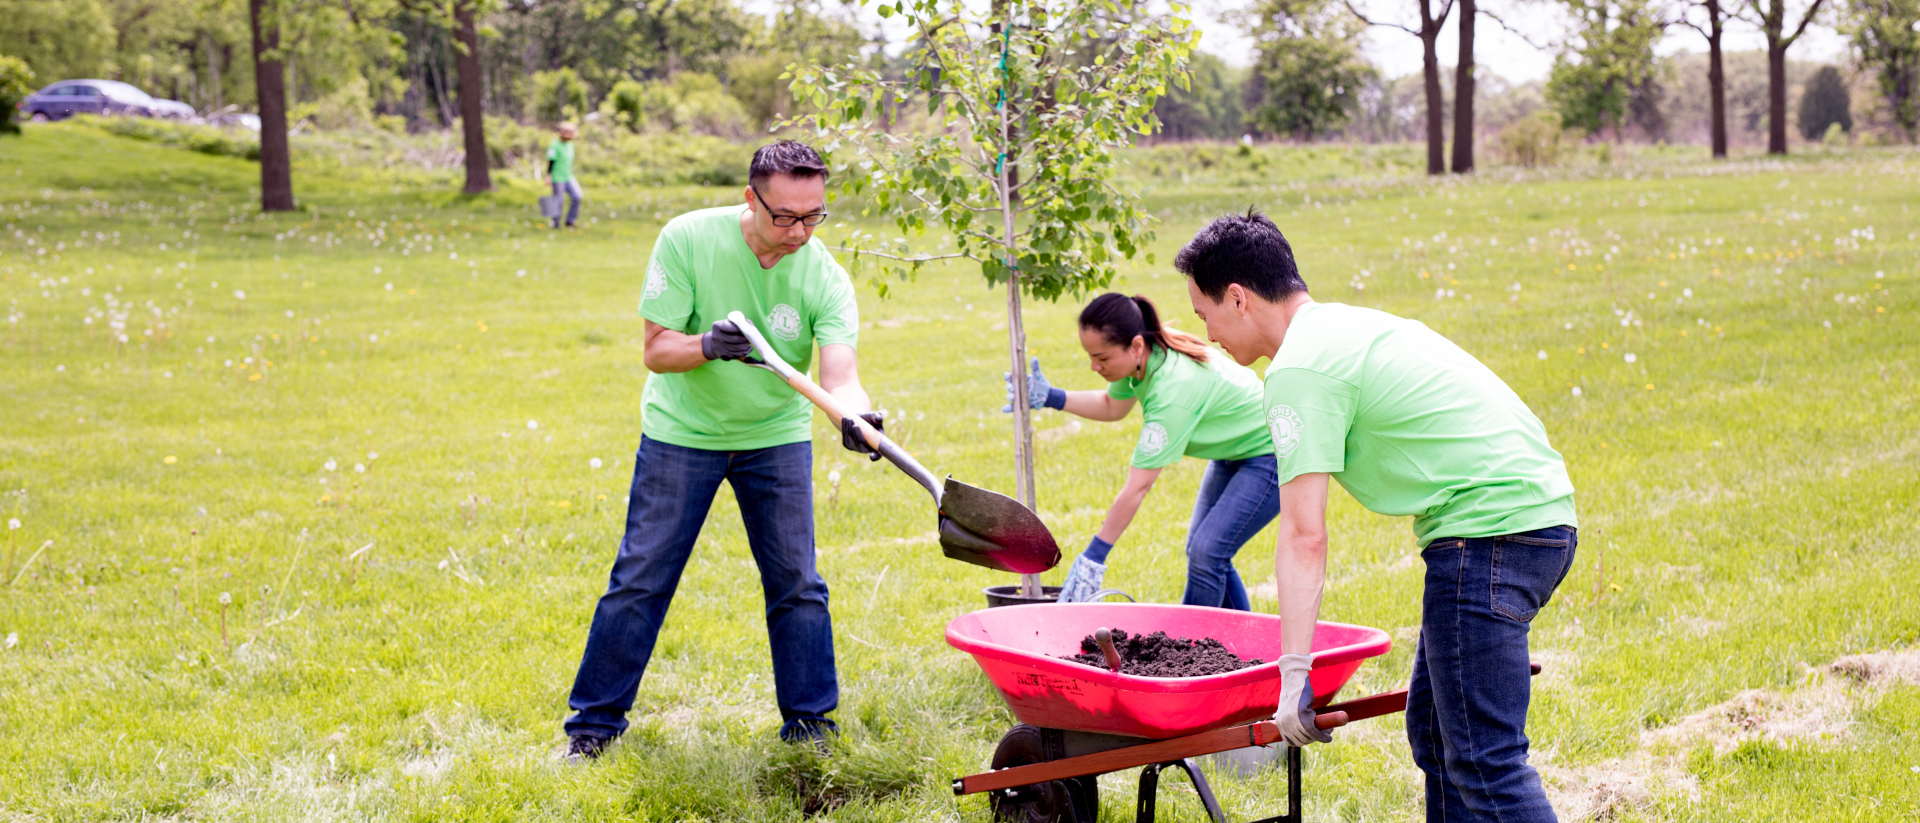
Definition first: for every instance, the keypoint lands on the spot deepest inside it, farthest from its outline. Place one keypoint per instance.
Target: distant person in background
(560, 170)
(1195, 402)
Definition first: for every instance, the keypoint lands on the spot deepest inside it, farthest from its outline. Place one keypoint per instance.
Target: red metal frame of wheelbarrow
(1177, 751)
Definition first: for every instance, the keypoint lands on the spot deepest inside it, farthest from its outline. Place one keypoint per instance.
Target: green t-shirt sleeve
(1164, 435)
(1308, 417)
(837, 316)
(553, 150)
(1120, 389)
(667, 296)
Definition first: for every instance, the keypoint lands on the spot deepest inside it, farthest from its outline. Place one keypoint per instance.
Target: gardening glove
(1295, 715)
(1084, 579)
(725, 342)
(850, 434)
(1040, 393)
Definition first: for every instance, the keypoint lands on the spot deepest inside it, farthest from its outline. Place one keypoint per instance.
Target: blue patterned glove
(1084, 579)
(1040, 393)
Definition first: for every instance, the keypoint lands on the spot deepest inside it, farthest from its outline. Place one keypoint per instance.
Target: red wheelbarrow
(1079, 722)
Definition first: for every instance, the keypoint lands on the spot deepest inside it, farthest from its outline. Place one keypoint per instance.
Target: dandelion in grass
(13, 523)
(330, 465)
(594, 463)
(1630, 358)
(359, 468)
(533, 425)
(1576, 391)
(169, 460)
(1542, 354)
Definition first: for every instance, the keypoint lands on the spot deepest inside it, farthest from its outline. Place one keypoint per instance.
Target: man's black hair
(789, 157)
(1241, 248)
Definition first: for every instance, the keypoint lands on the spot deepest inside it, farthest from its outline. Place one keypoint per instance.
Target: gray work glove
(1295, 715)
(725, 342)
(1084, 579)
(1039, 391)
(850, 434)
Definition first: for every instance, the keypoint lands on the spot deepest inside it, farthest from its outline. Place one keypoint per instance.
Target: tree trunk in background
(1463, 92)
(276, 163)
(472, 117)
(1776, 96)
(1717, 81)
(1436, 104)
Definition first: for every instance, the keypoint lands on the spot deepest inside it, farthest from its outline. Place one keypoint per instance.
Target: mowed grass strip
(372, 427)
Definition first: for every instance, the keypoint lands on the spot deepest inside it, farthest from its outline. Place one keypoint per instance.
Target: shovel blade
(993, 530)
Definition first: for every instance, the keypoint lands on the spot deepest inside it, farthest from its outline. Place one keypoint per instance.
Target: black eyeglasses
(786, 221)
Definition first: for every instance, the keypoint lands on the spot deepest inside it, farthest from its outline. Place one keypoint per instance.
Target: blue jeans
(1467, 706)
(571, 188)
(673, 487)
(1237, 499)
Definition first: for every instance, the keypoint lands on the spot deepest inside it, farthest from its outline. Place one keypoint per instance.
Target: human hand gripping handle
(852, 440)
(867, 432)
(1040, 393)
(1295, 715)
(725, 342)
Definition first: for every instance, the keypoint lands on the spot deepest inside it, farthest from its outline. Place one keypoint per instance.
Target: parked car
(174, 110)
(70, 97)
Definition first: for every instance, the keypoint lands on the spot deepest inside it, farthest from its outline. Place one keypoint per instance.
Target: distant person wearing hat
(560, 170)
(1409, 424)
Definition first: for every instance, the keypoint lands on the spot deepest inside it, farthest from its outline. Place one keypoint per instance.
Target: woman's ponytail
(1120, 318)
(1159, 334)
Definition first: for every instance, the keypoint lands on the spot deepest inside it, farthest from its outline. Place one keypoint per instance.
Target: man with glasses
(706, 417)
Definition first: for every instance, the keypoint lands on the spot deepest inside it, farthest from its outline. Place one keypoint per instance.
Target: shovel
(976, 526)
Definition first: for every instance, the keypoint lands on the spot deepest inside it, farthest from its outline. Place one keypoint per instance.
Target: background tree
(16, 82)
(1825, 102)
(1610, 58)
(1713, 27)
(1885, 35)
(1429, 34)
(1772, 18)
(1463, 89)
(1028, 85)
(1208, 106)
(269, 77)
(1307, 72)
(58, 39)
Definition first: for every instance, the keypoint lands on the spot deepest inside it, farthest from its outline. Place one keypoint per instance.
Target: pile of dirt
(1158, 655)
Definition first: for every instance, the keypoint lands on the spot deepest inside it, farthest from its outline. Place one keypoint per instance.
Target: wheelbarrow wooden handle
(1263, 733)
(876, 440)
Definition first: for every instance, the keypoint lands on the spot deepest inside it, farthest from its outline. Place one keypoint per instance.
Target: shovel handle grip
(827, 403)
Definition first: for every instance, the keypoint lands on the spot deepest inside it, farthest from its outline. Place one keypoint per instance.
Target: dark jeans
(673, 487)
(1237, 499)
(1467, 706)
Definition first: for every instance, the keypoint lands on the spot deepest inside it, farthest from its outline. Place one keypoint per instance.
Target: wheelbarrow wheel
(1074, 800)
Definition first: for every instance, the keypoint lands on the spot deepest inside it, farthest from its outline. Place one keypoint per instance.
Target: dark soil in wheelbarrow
(1158, 655)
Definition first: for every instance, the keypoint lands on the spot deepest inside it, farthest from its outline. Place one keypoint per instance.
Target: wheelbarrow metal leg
(1149, 787)
(1205, 791)
(1293, 790)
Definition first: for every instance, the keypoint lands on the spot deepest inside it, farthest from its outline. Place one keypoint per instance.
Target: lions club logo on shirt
(1153, 438)
(656, 281)
(784, 322)
(1284, 424)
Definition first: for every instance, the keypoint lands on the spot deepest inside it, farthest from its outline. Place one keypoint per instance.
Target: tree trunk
(1717, 81)
(1776, 96)
(1016, 325)
(472, 118)
(276, 163)
(1436, 104)
(214, 54)
(1463, 93)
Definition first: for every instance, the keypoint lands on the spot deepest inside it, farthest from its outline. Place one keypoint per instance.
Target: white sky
(1495, 49)
(1398, 53)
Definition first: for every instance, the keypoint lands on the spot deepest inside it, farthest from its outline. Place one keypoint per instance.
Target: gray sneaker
(584, 747)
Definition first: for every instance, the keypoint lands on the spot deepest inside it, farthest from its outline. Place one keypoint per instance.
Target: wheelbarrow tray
(1020, 650)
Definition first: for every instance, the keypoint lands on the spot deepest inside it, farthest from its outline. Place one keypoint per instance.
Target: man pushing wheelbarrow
(1409, 424)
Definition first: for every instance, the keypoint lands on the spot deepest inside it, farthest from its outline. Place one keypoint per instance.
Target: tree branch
(1363, 19)
(924, 258)
(1513, 31)
(1812, 12)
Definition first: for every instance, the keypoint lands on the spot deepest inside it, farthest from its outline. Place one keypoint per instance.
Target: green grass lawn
(310, 526)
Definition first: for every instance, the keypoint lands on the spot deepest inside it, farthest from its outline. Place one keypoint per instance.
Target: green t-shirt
(561, 154)
(1410, 424)
(1207, 410)
(701, 270)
